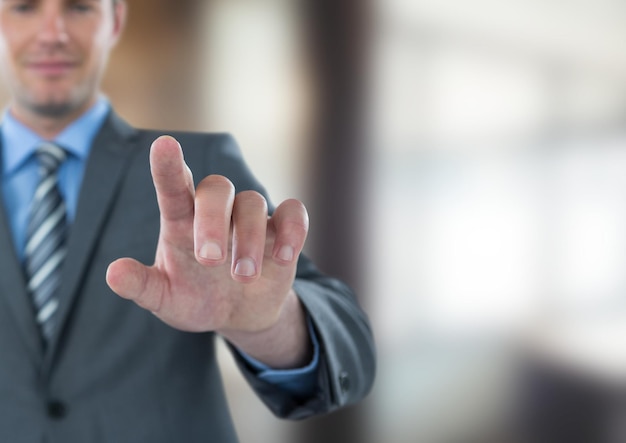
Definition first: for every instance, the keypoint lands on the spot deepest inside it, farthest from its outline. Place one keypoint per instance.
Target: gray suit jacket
(115, 373)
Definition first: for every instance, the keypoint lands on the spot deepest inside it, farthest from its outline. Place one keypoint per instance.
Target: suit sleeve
(347, 355)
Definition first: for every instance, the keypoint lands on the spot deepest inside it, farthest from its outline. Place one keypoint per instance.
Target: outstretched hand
(221, 263)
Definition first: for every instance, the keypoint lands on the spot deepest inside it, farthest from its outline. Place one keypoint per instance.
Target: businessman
(178, 227)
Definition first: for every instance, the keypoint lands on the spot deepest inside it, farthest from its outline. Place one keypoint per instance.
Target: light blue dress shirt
(20, 171)
(20, 176)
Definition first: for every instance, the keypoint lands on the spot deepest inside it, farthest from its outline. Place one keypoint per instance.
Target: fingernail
(211, 251)
(245, 267)
(285, 253)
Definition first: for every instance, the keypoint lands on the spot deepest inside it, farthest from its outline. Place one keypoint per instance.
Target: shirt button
(56, 409)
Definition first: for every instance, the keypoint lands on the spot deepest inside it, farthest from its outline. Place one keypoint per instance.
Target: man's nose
(53, 28)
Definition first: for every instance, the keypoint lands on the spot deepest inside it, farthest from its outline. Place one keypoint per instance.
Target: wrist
(284, 345)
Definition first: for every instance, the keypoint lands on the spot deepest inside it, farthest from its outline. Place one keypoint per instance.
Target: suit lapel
(106, 166)
(13, 292)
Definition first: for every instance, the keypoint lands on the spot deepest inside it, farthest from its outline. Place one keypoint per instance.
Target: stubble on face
(57, 101)
(51, 109)
(54, 73)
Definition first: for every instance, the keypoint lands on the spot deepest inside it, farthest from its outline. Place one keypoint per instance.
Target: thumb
(134, 281)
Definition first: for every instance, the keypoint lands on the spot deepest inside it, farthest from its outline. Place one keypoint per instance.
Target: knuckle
(293, 217)
(214, 196)
(217, 184)
(251, 201)
(294, 230)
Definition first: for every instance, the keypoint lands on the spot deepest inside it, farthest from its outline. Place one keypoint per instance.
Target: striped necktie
(45, 239)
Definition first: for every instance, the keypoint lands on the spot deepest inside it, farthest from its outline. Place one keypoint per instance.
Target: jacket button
(56, 409)
(344, 382)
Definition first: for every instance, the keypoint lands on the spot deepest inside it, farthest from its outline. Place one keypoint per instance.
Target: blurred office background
(464, 164)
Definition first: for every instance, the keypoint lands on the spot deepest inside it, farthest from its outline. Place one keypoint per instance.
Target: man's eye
(81, 7)
(22, 7)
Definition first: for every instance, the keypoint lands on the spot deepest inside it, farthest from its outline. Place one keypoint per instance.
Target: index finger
(173, 180)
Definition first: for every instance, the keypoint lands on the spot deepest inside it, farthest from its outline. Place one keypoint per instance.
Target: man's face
(53, 52)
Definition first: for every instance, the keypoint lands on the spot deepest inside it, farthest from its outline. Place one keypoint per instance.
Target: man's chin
(52, 109)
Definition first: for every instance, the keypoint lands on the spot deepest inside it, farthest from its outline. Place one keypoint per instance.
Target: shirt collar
(19, 142)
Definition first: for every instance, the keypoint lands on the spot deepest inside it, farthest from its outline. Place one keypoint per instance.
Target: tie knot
(50, 157)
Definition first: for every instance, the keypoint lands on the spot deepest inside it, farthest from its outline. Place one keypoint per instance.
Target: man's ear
(119, 18)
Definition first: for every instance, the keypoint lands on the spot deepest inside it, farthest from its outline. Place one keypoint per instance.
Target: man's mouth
(51, 68)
